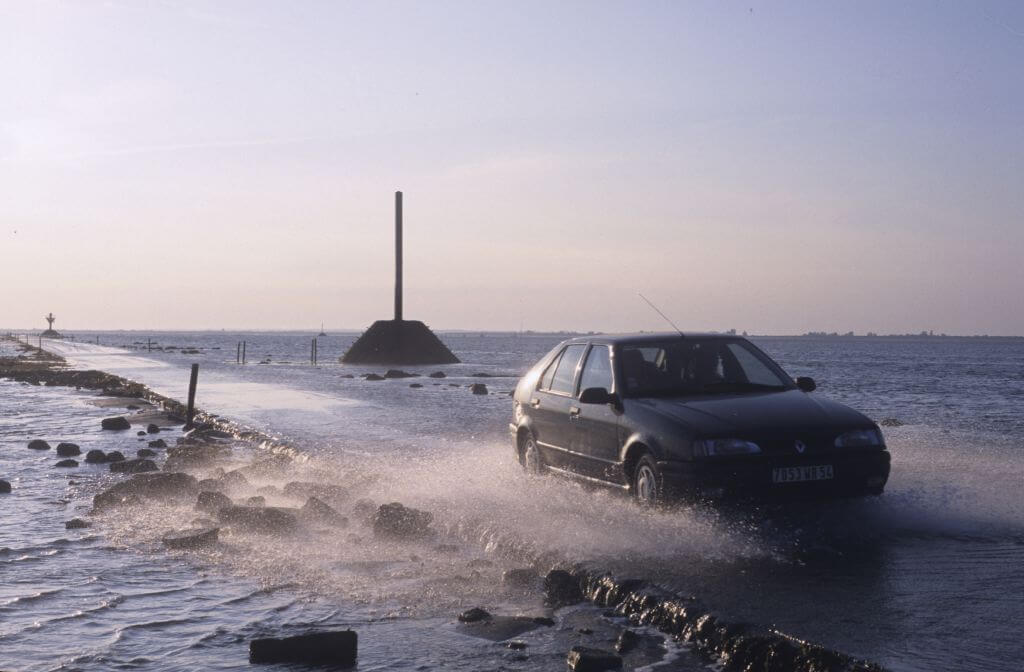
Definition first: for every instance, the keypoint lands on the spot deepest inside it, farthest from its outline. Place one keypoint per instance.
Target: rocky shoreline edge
(736, 646)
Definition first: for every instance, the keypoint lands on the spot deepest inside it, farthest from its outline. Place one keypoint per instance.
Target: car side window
(549, 373)
(565, 372)
(755, 370)
(597, 371)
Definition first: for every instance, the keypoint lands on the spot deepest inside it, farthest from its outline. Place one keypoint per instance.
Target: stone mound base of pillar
(399, 342)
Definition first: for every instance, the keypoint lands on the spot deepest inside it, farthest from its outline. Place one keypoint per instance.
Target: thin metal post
(398, 256)
(191, 412)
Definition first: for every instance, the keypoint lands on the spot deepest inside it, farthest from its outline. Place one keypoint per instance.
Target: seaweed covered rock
(326, 492)
(158, 443)
(95, 457)
(316, 510)
(317, 648)
(145, 452)
(169, 486)
(401, 522)
(67, 463)
(76, 524)
(136, 466)
(474, 615)
(261, 520)
(117, 423)
(115, 456)
(587, 659)
(561, 589)
(5, 487)
(212, 502)
(194, 538)
(38, 444)
(68, 449)
(478, 388)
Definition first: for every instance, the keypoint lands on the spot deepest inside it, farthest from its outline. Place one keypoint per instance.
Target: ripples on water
(926, 577)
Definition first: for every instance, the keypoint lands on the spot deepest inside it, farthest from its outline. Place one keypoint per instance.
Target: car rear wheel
(647, 482)
(532, 462)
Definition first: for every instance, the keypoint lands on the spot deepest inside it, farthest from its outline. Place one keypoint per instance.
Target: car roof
(640, 338)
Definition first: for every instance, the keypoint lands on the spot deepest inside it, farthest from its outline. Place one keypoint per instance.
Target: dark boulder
(561, 589)
(373, 376)
(326, 492)
(5, 487)
(67, 463)
(136, 466)
(586, 659)
(269, 491)
(116, 423)
(481, 375)
(95, 457)
(234, 480)
(257, 500)
(212, 502)
(546, 621)
(263, 520)
(397, 521)
(364, 510)
(115, 456)
(475, 615)
(316, 648)
(159, 443)
(152, 429)
(194, 538)
(76, 524)
(520, 578)
(317, 510)
(478, 388)
(140, 433)
(627, 641)
(38, 444)
(891, 422)
(415, 386)
(437, 374)
(145, 452)
(398, 373)
(68, 449)
(170, 486)
(210, 485)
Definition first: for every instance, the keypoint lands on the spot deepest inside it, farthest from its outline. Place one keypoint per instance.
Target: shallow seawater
(926, 577)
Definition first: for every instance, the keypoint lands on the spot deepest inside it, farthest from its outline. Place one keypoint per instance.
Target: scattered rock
(516, 645)
(67, 463)
(372, 376)
(5, 487)
(364, 510)
(38, 444)
(398, 373)
(586, 659)
(152, 429)
(115, 456)
(479, 562)
(194, 538)
(159, 443)
(561, 589)
(397, 521)
(415, 385)
(95, 457)
(265, 520)
(437, 374)
(210, 485)
(478, 388)
(520, 578)
(234, 480)
(76, 524)
(166, 485)
(140, 433)
(256, 500)
(132, 407)
(347, 375)
(891, 422)
(303, 490)
(474, 615)
(627, 641)
(212, 502)
(481, 375)
(544, 620)
(68, 449)
(269, 491)
(145, 452)
(116, 423)
(454, 385)
(136, 466)
(317, 648)
(317, 510)
(585, 631)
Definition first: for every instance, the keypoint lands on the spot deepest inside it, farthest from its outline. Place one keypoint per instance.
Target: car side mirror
(806, 384)
(596, 395)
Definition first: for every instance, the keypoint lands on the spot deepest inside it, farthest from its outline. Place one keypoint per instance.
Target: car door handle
(574, 412)
(535, 403)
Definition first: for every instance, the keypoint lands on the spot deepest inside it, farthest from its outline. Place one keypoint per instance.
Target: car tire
(533, 463)
(647, 483)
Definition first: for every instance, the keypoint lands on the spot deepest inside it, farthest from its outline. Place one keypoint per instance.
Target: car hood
(745, 413)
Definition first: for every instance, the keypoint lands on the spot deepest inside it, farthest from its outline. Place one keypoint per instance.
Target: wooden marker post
(191, 412)
(243, 352)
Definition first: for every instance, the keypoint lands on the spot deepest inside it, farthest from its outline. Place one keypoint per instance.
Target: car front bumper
(853, 474)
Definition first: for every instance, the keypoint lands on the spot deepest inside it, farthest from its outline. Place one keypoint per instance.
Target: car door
(549, 407)
(596, 426)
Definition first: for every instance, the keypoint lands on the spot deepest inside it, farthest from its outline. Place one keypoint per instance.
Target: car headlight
(860, 438)
(713, 447)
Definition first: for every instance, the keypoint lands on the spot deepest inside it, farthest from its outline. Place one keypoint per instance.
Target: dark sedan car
(690, 415)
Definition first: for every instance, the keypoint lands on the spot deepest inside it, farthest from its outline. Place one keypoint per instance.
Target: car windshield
(698, 366)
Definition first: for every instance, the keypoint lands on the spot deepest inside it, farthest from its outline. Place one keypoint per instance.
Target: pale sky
(770, 167)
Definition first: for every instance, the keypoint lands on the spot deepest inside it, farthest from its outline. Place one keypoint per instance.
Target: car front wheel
(647, 482)
(532, 462)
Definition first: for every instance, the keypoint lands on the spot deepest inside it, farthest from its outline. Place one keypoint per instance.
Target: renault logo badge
(800, 446)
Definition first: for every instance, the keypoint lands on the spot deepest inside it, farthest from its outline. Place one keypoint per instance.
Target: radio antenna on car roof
(665, 317)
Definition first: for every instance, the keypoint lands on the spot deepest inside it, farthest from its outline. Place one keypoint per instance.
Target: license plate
(820, 472)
